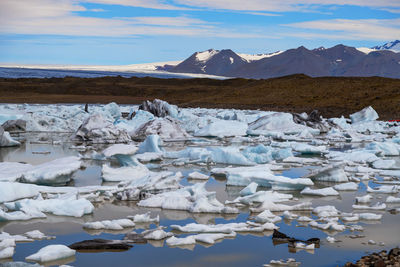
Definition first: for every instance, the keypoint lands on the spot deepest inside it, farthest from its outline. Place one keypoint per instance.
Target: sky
(120, 32)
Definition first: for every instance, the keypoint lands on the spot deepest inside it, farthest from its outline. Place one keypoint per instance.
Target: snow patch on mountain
(393, 46)
(206, 55)
(254, 57)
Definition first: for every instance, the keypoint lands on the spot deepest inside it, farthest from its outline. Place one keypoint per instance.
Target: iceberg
(262, 175)
(57, 171)
(224, 228)
(126, 173)
(198, 176)
(63, 207)
(13, 171)
(249, 190)
(139, 118)
(351, 186)
(114, 225)
(144, 218)
(97, 129)
(51, 253)
(13, 191)
(6, 140)
(277, 123)
(211, 238)
(184, 241)
(166, 128)
(159, 108)
(332, 173)
(367, 114)
(223, 128)
(323, 192)
(151, 144)
(156, 234)
(267, 216)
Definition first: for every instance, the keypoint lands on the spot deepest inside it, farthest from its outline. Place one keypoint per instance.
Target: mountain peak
(393, 45)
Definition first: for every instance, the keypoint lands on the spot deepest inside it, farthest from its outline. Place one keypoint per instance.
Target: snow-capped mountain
(394, 46)
(339, 60)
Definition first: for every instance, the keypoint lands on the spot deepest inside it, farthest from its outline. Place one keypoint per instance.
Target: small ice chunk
(198, 176)
(125, 173)
(6, 140)
(13, 191)
(384, 189)
(249, 190)
(326, 211)
(386, 164)
(144, 218)
(211, 238)
(377, 206)
(7, 247)
(331, 173)
(151, 144)
(57, 171)
(223, 128)
(13, 171)
(267, 216)
(37, 235)
(120, 149)
(364, 199)
(369, 216)
(330, 239)
(327, 191)
(51, 253)
(391, 199)
(119, 224)
(350, 186)
(175, 241)
(156, 234)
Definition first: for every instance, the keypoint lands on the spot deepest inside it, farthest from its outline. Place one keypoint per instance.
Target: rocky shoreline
(378, 259)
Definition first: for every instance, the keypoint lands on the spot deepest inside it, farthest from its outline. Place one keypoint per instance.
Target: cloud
(364, 29)
(283, 5)
(49, 17)
(153, 4)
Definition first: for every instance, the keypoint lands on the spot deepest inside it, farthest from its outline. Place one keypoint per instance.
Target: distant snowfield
(92, 71)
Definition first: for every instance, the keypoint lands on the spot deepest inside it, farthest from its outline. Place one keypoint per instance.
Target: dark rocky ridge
(339, 60)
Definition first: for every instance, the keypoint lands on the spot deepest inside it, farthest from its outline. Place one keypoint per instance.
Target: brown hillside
(333, 96)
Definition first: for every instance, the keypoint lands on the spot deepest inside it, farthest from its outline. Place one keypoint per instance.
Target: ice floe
(51, 253)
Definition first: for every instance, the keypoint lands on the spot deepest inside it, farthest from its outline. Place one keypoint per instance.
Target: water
(244, 250)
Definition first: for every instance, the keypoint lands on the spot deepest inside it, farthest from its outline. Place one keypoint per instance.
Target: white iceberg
(51, 253)
(57, 171)
(249, 189)
(327, 191)
(367, 114)
(350, 186)
(13, 191)
(223, 128)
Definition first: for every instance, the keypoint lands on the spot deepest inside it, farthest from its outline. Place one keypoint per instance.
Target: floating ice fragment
(249, 190)
(51, 253)
(351, 186)
(367, 114)
(327, 191)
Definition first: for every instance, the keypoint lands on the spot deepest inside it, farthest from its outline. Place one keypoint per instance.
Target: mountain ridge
(339, 60)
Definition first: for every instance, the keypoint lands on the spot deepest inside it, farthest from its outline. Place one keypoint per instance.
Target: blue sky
(116, 32)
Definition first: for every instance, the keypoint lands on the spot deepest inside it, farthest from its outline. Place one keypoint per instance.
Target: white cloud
(364, 29)
(283, 5)
(154, 4)
(61, 17)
